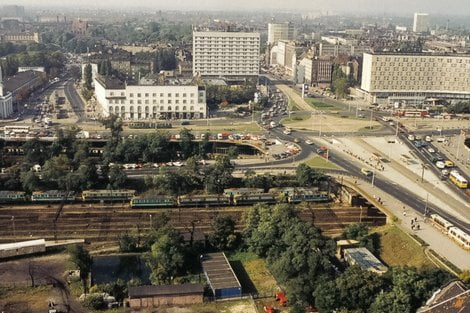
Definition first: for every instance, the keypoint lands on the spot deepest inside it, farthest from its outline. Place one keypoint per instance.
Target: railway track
(106, 223)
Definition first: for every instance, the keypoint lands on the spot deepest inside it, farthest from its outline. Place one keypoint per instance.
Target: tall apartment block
(280, 31)
(421, 23)
(230, 55)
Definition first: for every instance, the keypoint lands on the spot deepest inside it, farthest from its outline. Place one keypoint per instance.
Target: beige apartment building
(280, 31)
(413, 78)
(231, 55)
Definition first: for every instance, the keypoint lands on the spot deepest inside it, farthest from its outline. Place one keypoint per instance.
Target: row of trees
(48, 59)
(459, 107)
(225, 95)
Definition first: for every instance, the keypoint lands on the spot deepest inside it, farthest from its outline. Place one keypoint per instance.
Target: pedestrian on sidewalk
(418, 227)
(412, 222)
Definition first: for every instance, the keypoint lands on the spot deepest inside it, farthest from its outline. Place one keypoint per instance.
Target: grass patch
(256, 272)
(321, 162)
(25, 299)
(398, 249)
(244, 306)
(319, 104)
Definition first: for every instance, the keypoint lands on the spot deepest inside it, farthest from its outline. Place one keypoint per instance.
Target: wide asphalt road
(75, 100)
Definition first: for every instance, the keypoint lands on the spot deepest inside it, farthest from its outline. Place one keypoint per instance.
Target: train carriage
(108, 195)
(153, 202)
(53, 196)
(241, 191)
(7, 196)
(203, 200)
(308, 195)
(245, 199)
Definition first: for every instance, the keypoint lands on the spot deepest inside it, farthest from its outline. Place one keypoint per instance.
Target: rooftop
(218, 271)
(365, 259)
(452, 298)
(19, 79)
(165, 290)
(22, 244)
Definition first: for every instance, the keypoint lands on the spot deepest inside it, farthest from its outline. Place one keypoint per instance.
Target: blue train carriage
(7, 196)
(53, 196)
(153, 202)
(107, 195)
(282, 193)
(203, 200)
(308, 195)
(249, 199)
(241, 191)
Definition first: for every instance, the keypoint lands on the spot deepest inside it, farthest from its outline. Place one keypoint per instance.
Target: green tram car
(105, 195)
(153, 202)
(12, 196)
(53, 196)
(203, 200)
(249, 199)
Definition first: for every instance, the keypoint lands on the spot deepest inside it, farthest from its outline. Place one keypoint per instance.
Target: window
(169, 94)
(146, 102)
(154, 95)
(138, 95)
(177, 94)
(111, 93)
(169, 101)
(131, 95)
(131, 101)
(139, 102)
(146, 95)
(161, 95)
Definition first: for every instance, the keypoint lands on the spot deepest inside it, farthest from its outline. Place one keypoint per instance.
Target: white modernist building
(226, 54)
(421, 23)
(6, 100)
(413, 78)
(280, 31)
(141, 102)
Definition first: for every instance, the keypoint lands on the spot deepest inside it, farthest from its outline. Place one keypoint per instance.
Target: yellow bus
(458, 179)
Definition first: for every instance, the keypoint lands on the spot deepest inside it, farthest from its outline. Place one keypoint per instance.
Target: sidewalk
(436, 240)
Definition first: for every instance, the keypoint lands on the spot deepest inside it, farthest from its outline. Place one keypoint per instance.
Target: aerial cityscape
(241, 157)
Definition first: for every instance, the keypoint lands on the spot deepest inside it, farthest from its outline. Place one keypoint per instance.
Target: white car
(440, 165)
(309, 142)
(431, 150)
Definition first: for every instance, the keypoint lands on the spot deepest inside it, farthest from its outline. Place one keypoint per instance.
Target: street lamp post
(373, 179)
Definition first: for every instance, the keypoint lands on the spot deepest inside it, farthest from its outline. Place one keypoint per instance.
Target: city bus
(458, 179)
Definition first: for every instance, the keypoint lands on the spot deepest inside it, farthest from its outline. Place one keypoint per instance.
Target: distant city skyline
(457, 7)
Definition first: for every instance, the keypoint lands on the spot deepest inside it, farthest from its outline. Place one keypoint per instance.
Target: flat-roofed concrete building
(421, 23)
(316, 71)
(280, 31)
(220, 276)
(6, 102)
(150, 102)
(231, 55)
(155, 296)
(364, 259)
(21, 38)
(388, 78)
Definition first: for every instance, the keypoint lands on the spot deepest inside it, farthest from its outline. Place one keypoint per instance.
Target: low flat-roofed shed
(220, 276)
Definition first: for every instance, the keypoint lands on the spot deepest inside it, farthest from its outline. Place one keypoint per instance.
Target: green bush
(94, 302)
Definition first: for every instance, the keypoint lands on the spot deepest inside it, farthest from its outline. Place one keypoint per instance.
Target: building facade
(284, 54)
(280, 31)
(316, 71)
(6, 102)
(79, 27)
(21, 38)
(142, 297)
(140, 102)
(411, 78)
(421, 23)
(226, 54)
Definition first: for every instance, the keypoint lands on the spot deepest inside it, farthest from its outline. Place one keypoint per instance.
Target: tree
(29, 181)
(127, 243)
(186, 144)
(360, 232)
(219, 176)
(87, 73)
(394, 301)
(117, 177)
(465, 276)
(166, 257)
(307, 176)
(82, 260)
(340, 82)
(232, 152)
(114, 123)
(55, 170)
(223, 235)
(94, 302)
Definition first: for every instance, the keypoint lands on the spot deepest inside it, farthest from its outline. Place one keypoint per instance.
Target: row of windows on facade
(154, 101)
(154, 109)
(425, 60)
(146, 95)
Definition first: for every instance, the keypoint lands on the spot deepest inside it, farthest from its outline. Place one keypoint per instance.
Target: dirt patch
(25, 299)
(242, 308)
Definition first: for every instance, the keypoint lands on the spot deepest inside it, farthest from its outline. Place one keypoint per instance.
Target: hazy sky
(460, 7)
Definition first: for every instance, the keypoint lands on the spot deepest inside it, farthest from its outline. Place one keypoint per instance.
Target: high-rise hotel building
(412, 78)
(230, 55)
